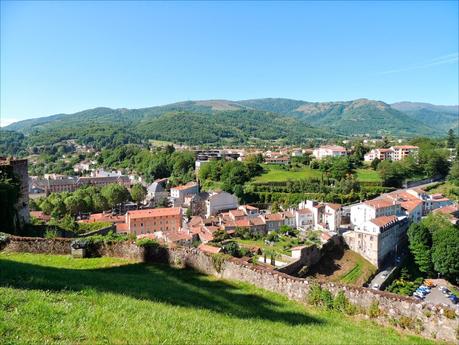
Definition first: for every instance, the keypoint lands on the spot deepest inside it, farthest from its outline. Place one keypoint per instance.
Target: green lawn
(48, 299)
(367, 175)
(275, 173)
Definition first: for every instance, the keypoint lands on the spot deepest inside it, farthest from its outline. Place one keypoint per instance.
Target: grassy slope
(275, 173)
(367, 175)
(56, 299)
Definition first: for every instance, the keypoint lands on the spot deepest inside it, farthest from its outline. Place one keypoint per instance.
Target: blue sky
(62, 57)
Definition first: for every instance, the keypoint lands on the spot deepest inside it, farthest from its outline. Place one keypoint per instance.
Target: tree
(451, 141)
(115, 194)
(445, 252)
(375, 163)
(436, 164)
(99, 202)
(74, 205)
(138, 192)
(454, 173)
(391, 173)
(47, 207)
(420, 242)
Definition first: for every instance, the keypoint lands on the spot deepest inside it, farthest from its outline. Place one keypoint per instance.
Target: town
(215, 221)
(229, 172)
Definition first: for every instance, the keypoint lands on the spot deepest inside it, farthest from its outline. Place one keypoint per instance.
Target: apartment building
(394, 153)
(153, 220)
(179, 193)
(329, 151)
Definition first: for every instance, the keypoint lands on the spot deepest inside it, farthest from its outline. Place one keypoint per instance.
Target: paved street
(437, 297)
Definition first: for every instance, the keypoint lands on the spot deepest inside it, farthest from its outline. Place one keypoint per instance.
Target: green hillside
(48, 299)
(285, 121)
(361, 116)
(440, 117)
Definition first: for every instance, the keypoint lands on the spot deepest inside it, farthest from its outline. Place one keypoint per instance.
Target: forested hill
(234, 122)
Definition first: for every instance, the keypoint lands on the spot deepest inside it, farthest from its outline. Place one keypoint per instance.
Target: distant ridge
(226, 121)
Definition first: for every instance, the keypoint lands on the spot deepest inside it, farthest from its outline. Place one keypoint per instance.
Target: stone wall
(431, 321)
(39, 245)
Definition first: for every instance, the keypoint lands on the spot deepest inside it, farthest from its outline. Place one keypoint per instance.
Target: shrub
(4, 239)
(147, 242)
(218, 259)
(326, 299)
(406, 322)
(374, 310)
(50, 234)
(340, 302)
(314, 295)
(450, 313)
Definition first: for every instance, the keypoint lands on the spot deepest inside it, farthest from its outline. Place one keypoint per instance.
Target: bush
(340, 303)
(147, 242)
(450, 313)
(218, 259)
(314, 295)
(374, 310)
(326, 299)
(88, 227)
(50, 234)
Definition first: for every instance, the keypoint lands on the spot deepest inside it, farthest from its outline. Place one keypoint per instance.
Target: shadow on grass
(159, 283)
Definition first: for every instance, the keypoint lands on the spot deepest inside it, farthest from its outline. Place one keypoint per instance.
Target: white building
(325, 216)
(179, 193)
(329, 151)
(220, 201)
(378, 239)
(394, 153)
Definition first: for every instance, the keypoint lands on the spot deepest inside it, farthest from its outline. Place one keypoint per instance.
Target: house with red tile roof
(154, 220)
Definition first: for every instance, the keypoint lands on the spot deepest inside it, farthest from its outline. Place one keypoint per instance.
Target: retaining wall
(431, 321)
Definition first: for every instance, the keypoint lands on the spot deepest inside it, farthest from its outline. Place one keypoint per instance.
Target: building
(329, 151)
(401, 152)
(279, 160)
(321, 216)
(451, 212)
(19, 169)
(378, 239)
(179, 193)
(394, 153)
(156, 192)
(153, 220)
(220, 201)
(382, 154)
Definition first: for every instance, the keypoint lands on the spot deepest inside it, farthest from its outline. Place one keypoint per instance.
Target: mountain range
(225, 121)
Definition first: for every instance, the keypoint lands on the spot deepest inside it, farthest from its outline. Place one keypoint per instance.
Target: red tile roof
(40, 215)
(186, 186)
(237, 213)
(209, 249)
(410, 205)
(304, 211)
(155, 212)
(273, 217)
(379, 203)
(384, 220)
(175, 236)
(101, 217)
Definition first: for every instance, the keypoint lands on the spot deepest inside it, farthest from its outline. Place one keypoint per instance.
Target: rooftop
(155, 212)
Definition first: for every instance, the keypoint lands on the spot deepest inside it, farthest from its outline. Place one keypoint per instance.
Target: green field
(367, 175)
(46, 299)
(275, 173)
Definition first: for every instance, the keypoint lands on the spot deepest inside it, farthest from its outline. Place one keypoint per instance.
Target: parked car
(384, 275)
(444, 289)
(422, 292)
(429, 283)
(418, 295)
(375, 287)
(453, 298)
(424, 288)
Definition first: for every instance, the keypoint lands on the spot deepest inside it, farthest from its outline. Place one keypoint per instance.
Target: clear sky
(62, 57)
